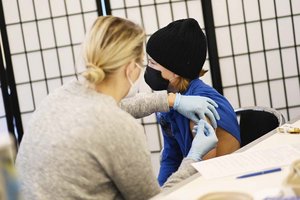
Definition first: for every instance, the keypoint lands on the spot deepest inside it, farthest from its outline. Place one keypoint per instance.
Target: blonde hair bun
(94, 74)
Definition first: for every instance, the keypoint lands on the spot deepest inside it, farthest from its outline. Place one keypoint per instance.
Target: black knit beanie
(180, 47)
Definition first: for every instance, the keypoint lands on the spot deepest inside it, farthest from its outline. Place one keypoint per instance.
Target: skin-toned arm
(226, 143)
(171, 99)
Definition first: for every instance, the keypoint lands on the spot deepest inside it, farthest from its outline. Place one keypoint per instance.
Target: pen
(259, 173)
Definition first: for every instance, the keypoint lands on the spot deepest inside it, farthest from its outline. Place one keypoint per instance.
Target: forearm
(144, 104)
(184, 171)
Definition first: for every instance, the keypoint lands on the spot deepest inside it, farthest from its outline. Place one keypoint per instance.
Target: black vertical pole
(10, 79)
(212, 45)
(6, 99)
(101, 7)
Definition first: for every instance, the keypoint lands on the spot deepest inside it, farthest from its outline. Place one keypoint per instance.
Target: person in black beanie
(177, 53)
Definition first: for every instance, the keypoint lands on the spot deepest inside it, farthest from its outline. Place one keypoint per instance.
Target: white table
(270, 184)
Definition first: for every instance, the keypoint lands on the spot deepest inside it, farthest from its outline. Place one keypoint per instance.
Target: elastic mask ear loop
(130, 81)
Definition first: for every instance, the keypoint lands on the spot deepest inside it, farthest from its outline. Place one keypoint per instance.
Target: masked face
(134, 85)
(155, 80)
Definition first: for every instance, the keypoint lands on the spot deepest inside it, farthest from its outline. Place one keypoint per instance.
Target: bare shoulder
(227, 143)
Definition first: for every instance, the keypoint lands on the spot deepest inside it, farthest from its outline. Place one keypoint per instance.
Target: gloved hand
(204, 141)
(196, 108)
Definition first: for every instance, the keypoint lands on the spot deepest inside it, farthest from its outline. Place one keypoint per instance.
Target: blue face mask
(155, 80)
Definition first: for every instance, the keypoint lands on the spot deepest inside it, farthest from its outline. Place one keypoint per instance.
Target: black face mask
(154, 79)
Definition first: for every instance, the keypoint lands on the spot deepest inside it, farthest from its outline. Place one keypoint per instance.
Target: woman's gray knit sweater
(80, 144)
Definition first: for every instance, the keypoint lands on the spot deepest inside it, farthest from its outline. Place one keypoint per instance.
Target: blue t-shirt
(176, 128)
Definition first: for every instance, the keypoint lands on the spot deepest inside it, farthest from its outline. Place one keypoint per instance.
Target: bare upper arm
(226, 144)
(212, 153)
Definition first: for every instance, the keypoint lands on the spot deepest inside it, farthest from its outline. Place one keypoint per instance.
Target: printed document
(246, 162)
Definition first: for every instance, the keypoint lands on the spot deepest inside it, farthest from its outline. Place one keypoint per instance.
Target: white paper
(247, 162)
(296, 124)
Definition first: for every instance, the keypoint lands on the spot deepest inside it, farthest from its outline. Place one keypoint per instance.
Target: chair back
(255, 121)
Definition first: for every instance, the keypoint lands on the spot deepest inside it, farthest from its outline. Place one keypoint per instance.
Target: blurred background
(253, 51)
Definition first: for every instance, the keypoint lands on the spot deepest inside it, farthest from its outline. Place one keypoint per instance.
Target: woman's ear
(129, 68)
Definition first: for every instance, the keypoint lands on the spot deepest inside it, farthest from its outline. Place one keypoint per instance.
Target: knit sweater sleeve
(127, 160)
(144, 104)
(184, 171)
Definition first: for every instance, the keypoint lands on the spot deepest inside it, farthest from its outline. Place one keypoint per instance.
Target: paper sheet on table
(247, 162)
(296, 124)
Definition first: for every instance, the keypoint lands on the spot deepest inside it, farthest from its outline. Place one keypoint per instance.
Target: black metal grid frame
(8, 86)
(264, 51)
(11, 86)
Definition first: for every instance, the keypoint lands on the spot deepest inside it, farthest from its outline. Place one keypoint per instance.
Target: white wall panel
(165, 14)
(46, 34)
(267, 9)
(20, 68)
(270, 34)
(227, 69)
(243, 69)
(150, 24)
(57, 8)
(252, 11)
(223, 41)
(246, 95)
(293, 92)
(254, 37)
(232, 94)
(220, 12)
(289, 62)
(283, 8)
(268, 51)
(285, 32)
(26, 102)
(31, 36)
(178, 10)
(77, 28)
(26, 10)
(35, 64)
(42, 9)
(295, 6)
(261, 89)
(277, 93)
(258, 67)
(240, 41)
(15, 38)
(235, 11)
(73, 6)
(61, 31)
(12, 16)
(39, 91)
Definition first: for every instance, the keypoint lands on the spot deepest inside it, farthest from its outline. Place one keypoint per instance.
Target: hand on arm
(204, 141)
(212, 153)
(196, 107)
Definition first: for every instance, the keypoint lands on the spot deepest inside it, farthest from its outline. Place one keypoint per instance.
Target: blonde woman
(177, 54)
(81, 145)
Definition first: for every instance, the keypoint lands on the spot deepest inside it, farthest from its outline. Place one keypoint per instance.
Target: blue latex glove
(196, 108)
(204, 141)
